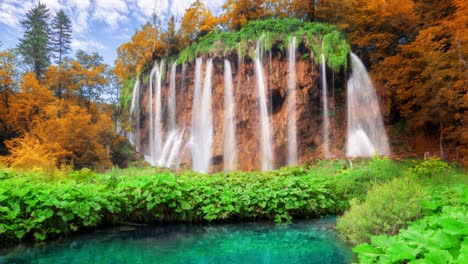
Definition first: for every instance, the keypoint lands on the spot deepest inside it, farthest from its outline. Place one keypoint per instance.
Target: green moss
(274, 33)
(127, 92)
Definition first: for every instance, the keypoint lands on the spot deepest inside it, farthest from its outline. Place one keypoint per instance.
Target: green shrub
(387, 208)
(430, 168)
(355, 181)
(34, 208)
(440, 238)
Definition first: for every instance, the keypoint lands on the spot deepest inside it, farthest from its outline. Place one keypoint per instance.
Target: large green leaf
(399, 251)
(438, 257)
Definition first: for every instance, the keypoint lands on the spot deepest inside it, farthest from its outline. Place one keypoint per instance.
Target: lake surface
(301, 242)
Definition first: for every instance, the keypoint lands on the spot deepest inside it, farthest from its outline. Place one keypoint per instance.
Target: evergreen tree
(34, 45)
(61, 36)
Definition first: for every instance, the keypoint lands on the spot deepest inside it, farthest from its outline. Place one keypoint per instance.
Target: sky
(98, 25)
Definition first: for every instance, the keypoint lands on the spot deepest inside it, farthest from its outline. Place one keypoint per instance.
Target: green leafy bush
(32, 207)
(354, 181)
(387, 208)
(440, 238)
(430, 167)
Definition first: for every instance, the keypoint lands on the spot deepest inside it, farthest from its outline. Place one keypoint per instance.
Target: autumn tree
(238, 12)
(377, 27)
(8, 72)
(427, 79)
(170, 38)
(34, 45)
(196, 22)
(29, 103)
(8, 88)
(133, 55)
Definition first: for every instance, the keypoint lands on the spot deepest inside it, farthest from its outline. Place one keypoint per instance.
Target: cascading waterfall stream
(149, 156)
(265, 129)
(326, 120)
(167, 148)
(195, 130)
(157, 132)
(230, 152)
(134, 137)
(202, 120)
(167, 141)
(176, 148)
(171, 102)
(292, 129)
(366, 132)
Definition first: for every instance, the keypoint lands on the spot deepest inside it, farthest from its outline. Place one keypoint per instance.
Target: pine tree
(61, 36)
(34, 46)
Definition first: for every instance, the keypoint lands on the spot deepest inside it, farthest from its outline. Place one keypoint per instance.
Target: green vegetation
(383, 198)
(39, 206)
(419, 218)
(271, 33)
(387, 208)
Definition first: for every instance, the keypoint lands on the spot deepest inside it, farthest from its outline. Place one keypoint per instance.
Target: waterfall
(171, 102)
(155, 116)
(195, 131)
(326, 120)
(292, 129)
(366, 132)
(176, 148)
(202, 120)
(230, 154)
(265, 130)
(157, 132)
(168, 144)
(149, 157)
(134, 136)
(183, 90)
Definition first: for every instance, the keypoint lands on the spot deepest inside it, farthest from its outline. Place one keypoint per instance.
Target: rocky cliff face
(309, 110)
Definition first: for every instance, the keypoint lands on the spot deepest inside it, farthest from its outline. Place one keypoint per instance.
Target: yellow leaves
(28, 153)
(28, 104)
(57, 131)
(238, 13)
(197, 21)
(208, 22)
(7, 70)
(66, 134)
(137, 52)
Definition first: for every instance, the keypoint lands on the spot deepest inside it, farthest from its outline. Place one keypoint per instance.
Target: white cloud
(166, 8)
(53, 5)
(80, 10)
(11, 13)
(111, 12)
(87, 45)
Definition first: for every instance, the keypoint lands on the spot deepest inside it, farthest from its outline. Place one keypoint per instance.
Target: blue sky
(98, 25)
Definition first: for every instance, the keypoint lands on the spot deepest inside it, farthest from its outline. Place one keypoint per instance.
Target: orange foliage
(377, 26)
(58, 131)
(238, 12)
(28, 153)
(7, 72)
(28, 104)
(196, 22)
(87, 79)
(73, 136)
(428, 79)
(133, 55)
